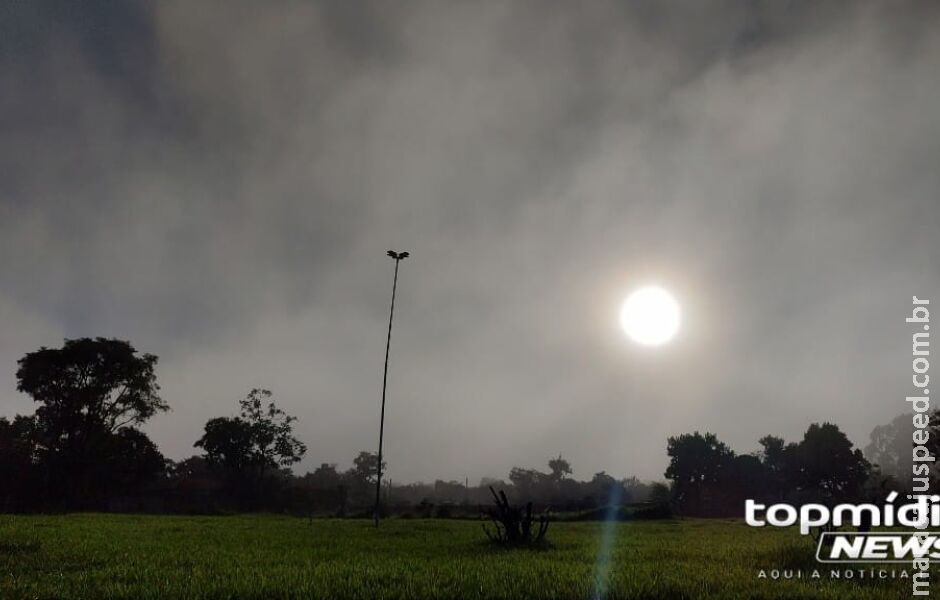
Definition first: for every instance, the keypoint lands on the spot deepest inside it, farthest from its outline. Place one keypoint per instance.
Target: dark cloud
(218, 184)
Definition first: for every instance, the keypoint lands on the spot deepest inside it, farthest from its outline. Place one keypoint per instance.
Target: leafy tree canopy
(89, 386)
(365, 466)
(559, 468)
(258, 439)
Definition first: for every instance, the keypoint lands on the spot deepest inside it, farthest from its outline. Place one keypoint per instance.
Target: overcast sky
(218, 184)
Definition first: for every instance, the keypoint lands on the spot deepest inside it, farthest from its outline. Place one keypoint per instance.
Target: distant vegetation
(83, 450)
(709, 479)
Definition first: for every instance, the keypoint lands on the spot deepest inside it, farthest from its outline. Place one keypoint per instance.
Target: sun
(650, 316)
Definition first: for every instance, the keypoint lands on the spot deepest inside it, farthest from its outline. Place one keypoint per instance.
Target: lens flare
(608, 533)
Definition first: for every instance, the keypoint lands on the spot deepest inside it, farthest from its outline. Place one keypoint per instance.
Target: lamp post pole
(398, 256)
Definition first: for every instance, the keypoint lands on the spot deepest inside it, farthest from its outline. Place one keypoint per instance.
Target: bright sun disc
(650, 316)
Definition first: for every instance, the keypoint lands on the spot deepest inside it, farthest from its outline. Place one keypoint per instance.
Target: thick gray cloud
(219, 183)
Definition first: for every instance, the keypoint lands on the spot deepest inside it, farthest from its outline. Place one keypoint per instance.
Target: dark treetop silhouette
(90, 392)
(247, 447)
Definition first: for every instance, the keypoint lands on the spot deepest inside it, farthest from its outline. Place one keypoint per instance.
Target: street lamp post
(398, 256)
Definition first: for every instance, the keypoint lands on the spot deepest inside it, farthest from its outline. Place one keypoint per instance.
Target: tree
(829, 465)
(890, 447)
(605, 489)
(365, 467)
(228, 444)
(526, 481)
(260, 438)
(325, 476)
(194, 467)
(272, 429)
(773, 451)
(19, 457)
(90, 385)
(696, 465)
(781, 465)
(659, 493)
(559, 467)
(360, 479)
(745, 477)
(88, 391)
(133, 460)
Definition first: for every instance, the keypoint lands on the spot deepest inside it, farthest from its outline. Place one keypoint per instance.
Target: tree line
(83, 449)
(708, 478)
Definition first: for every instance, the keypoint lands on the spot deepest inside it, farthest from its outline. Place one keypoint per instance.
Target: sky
(218, 183)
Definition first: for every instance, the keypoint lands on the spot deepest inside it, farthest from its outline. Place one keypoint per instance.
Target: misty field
(122, 556)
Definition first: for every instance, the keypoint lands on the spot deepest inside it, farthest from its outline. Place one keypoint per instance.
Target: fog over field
(218, 184)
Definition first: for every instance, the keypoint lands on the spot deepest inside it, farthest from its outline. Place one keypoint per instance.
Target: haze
(218, 184)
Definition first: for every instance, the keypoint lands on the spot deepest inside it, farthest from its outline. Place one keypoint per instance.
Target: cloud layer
(218, 184)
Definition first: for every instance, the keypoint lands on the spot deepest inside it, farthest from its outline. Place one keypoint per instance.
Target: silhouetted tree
(559, 468)
(889, 449)
(260, 438)
(781, 466)
(526, 482)
(19, 458)
(248, 447)
(194, 467)
(636, 490)
(228, 444)
(88, 391)
(132, 460)
(696, 465)
(360, 479)
(829, 465)
(365, 467)
(90, 384)
(659, 493)
(744, 477)
(603, 489)
(324, 477)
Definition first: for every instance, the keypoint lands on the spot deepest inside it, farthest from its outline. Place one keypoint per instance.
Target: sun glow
(650, 316)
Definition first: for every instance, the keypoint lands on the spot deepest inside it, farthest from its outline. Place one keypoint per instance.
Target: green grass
(130, 556)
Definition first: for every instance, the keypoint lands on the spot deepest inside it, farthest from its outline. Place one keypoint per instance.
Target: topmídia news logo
(879, 547)
(861, 545)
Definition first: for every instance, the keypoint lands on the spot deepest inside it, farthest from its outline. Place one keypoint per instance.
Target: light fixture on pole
(398, 256)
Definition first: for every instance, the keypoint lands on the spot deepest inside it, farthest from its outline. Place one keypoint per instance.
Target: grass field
(129, 556)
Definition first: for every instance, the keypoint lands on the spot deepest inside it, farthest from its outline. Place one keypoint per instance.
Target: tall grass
(120, 556)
